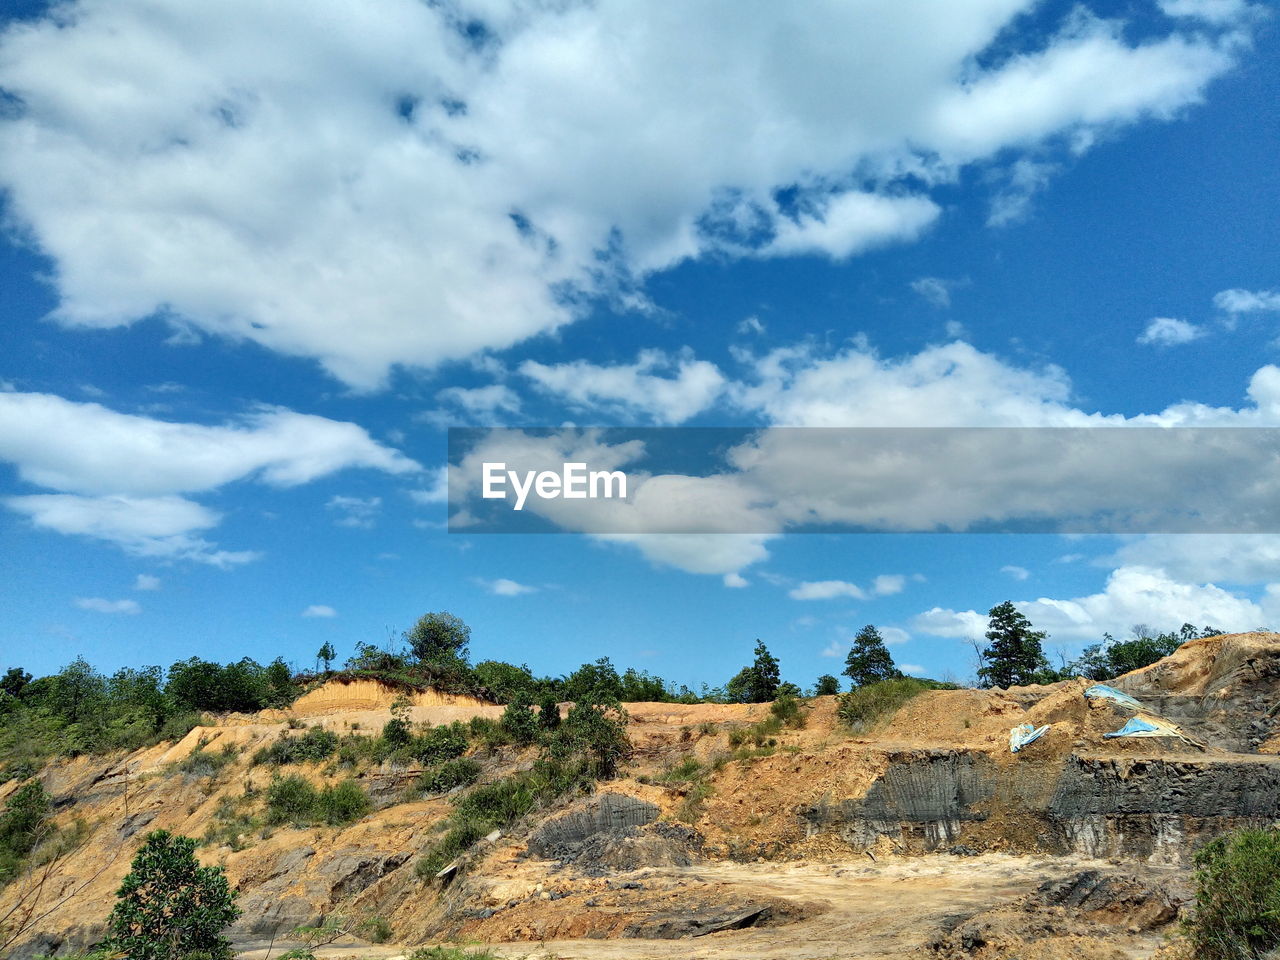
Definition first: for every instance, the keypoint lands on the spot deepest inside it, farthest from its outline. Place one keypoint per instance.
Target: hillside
(922, 834)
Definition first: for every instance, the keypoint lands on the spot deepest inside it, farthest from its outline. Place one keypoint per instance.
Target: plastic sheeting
(1100, 691)
(1023, 734)
(1146, 726)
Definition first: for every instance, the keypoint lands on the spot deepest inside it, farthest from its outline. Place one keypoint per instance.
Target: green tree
(505, 680)
(170, 907)
(757, 683)
(326, 655)
(548, 712)
(826, 686)
(22, 824)
(598, 679)
(1015, 653)
(869, 660)
(519, 721)
(14, 680)
(440, 639)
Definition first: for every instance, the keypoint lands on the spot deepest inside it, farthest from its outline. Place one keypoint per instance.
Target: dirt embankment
(925, 834)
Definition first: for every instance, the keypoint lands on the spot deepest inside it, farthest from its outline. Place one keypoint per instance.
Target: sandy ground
(868, 911)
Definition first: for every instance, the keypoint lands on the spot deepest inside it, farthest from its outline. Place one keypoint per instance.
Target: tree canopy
(869, 660)
(1015, 655)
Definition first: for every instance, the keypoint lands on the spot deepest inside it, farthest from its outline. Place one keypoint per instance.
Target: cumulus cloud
(1018, 573)
(1132, 595)
(145, 581)
(736, 580)
(121, 476)
(893, 636)
(1170, 332)
(502, 587)
(360, 512)
(826, 590)
(658, 387)
(888, 584)
(912, 668)
(102, 605)
(436, 490)
(1247, 301)
(463, 191)
(320, 610)
(934, 290)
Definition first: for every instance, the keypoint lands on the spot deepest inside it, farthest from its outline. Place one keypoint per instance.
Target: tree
(869, 660)
(440, 639)
(598, 679)
(1015, 653)
(827, 686)
(326, 655)
(170, 907)
(15, 679)
(757, 683)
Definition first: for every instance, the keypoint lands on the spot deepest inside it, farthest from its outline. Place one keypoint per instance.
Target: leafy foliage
(311, 747)
(439, 638)
(757, 683)
(863, 706)
(1111, 658)
(869, 660)
(1237, 914)
(294, 800)
(21, 826)
(1015, 655)
(170, 907)
(445, 776)
(826, 686)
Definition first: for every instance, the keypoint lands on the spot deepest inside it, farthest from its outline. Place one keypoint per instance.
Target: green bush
(519, 721)
(1237, 914)
(787, 710)
(445, 776)
(23, 824)
(202, 763)
(170, 907)
(291, 800)
(863, 706)
(440, 744)
(451, 952)
(311, 747)
(343, 803)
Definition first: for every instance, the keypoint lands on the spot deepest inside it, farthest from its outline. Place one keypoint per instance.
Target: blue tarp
(1023, 734)
(1100, 691)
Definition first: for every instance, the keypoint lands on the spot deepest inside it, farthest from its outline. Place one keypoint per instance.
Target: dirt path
(873, 911)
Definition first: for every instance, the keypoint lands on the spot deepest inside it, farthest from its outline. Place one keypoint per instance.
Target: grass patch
(863, 707)
(451, 952)
(443, 777)
(205, 763)
(690, 768)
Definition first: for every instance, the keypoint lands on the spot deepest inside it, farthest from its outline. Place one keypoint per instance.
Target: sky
(258, 258)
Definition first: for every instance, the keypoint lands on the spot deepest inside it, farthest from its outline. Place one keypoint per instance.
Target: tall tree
(440, 639)
(326, 655)
(759, 682)
(869, 660)
(1015, 653)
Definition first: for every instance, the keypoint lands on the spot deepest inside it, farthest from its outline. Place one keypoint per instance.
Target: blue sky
(257, 261)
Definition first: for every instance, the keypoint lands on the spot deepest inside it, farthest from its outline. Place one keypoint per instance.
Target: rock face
(1150, 808)
(613, 832)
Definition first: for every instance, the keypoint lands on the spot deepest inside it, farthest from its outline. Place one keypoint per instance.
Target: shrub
(440, 743)
(787, 710)
(519, 721)
(687, 769)
(445, 776)
(201, 763)
(291, 800)
(311, 747)
(343, 803)
(1237, 914)
(22, 825)
(863, 706)
(450, 952)
(170, 907)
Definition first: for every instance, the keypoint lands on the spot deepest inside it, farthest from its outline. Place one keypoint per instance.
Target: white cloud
(436, 490)
(826, 590)
(1132, 595)
(1214, 11)
(1018, 573)
(736, 580)
(172, 160)
(893, 636)
(934, 289)
(101, 605)
(636, 389)
(1231, 557)
(145, 581)
(751, 324)
(487, 406)
(1019, 186)
(1170, 332)
(320, 610)
(360, 512)
(502, 587)
(888, 584)
(120, 475)
(1247, 301)
(835, 648)
(912, 668)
